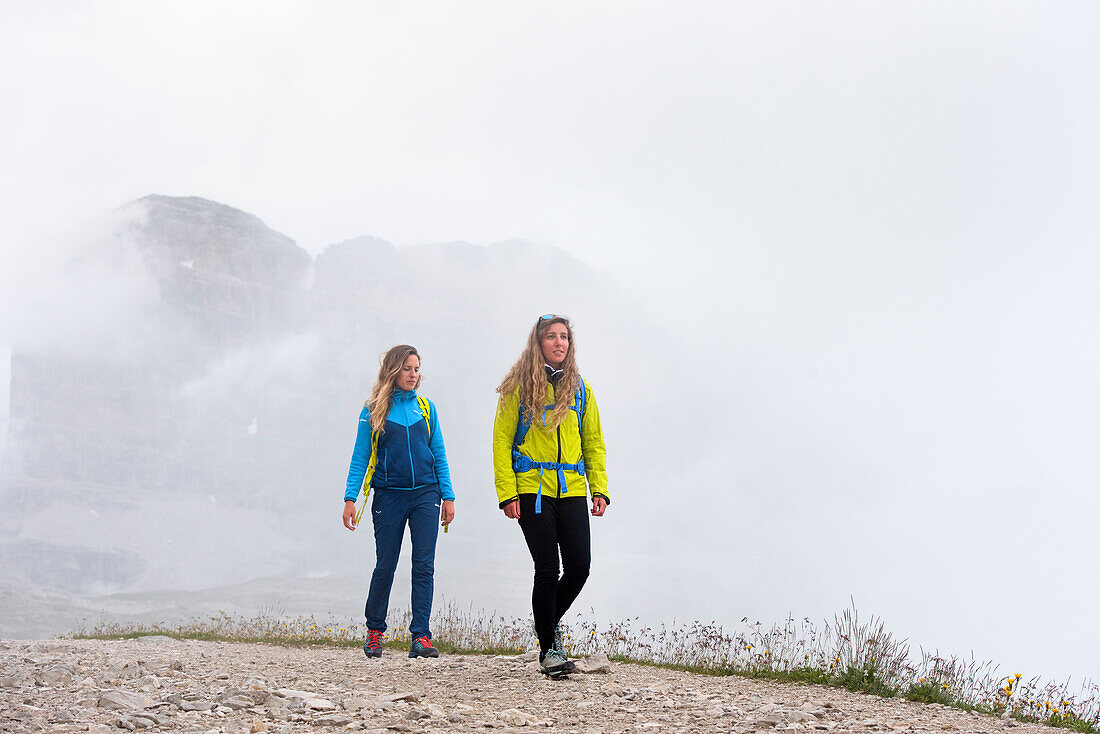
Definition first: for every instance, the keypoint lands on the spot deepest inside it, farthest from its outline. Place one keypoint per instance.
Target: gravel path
(161, 684)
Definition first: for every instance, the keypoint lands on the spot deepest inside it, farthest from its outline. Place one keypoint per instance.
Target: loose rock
(333, 720)
(124, 701)
(593, 664)
(515, 717)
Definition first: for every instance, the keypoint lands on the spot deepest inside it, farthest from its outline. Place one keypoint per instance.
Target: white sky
(877, 221)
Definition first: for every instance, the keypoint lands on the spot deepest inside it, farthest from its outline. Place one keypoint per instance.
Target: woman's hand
(349, 514)
(447, 513)
(599, 504)
(512, 509)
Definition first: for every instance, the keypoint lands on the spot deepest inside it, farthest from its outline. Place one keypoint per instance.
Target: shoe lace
(553, 657)
(374, 638)
(559, 644)
(424, 641)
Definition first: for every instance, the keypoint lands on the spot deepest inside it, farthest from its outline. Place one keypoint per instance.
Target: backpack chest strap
(521, 464)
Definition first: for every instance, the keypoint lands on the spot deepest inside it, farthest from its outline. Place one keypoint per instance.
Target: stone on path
(124, 701)
(611, 689)
(597, 663)
(292, 693)
(58, 674)
(416, 714)
(515, 717)
(333, 720)
(410, 696)
(195, 705)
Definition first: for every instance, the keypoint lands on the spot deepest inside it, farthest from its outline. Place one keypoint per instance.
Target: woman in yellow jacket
(547, 441)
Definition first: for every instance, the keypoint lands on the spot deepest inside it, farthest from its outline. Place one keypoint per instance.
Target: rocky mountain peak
(215, 240)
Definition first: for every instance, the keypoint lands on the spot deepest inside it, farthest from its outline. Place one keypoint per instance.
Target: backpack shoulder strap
(522, 426)
(372, 462)
(582, 399)
(426, 410)
(364, 488)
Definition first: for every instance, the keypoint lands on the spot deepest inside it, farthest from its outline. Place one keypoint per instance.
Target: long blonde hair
(529, 376)
(381, 395)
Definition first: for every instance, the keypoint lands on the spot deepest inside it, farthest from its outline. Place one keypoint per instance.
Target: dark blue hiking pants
(391, 510)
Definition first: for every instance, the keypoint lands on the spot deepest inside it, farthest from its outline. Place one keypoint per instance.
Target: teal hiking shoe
(555, 665)
(372, 648)
(421, 647)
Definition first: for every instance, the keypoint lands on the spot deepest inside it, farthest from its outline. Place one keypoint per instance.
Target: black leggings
(563, 523)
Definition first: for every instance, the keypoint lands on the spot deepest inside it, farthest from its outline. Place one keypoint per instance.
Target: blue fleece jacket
(407, 457)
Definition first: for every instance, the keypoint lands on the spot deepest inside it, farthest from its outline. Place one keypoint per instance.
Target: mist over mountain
(201, 440)
(184, 397)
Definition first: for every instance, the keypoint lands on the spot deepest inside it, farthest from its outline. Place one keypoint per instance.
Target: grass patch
(930, 692)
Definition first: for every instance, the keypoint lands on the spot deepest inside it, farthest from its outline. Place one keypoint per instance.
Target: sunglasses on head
(551, 317)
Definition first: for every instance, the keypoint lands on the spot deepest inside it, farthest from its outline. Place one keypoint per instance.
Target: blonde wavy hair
(381, 395)
(529, 377)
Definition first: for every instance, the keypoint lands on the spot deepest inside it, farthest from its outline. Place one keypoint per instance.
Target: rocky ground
(161, 684)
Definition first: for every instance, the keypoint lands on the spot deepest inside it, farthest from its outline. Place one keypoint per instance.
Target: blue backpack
(521, 463)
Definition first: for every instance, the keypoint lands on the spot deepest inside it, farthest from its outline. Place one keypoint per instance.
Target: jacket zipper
(408, 441)
(559, 459)
(554, 393)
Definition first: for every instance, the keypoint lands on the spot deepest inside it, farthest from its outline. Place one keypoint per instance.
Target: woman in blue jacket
(399, 453)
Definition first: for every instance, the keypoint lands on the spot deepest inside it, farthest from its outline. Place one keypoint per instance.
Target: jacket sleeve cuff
(601, 494)
(506, 502)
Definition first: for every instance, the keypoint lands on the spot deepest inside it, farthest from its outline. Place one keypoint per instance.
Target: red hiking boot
(372, 648)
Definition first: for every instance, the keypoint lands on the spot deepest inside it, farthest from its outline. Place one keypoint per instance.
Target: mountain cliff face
(94, 421)
(213, 448)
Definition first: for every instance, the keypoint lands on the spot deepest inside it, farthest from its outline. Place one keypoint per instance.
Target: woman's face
(410, 373)
(555, 344)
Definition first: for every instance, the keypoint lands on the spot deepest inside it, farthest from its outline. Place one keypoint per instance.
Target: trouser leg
(575, 541)
(541, 535)
(388, 513)
(424, 529)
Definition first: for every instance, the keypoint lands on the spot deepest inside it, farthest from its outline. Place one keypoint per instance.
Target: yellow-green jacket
(580, 443)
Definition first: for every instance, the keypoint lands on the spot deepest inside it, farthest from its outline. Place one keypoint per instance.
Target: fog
(833, 270)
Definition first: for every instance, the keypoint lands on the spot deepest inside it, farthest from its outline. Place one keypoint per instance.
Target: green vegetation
(847, 653)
